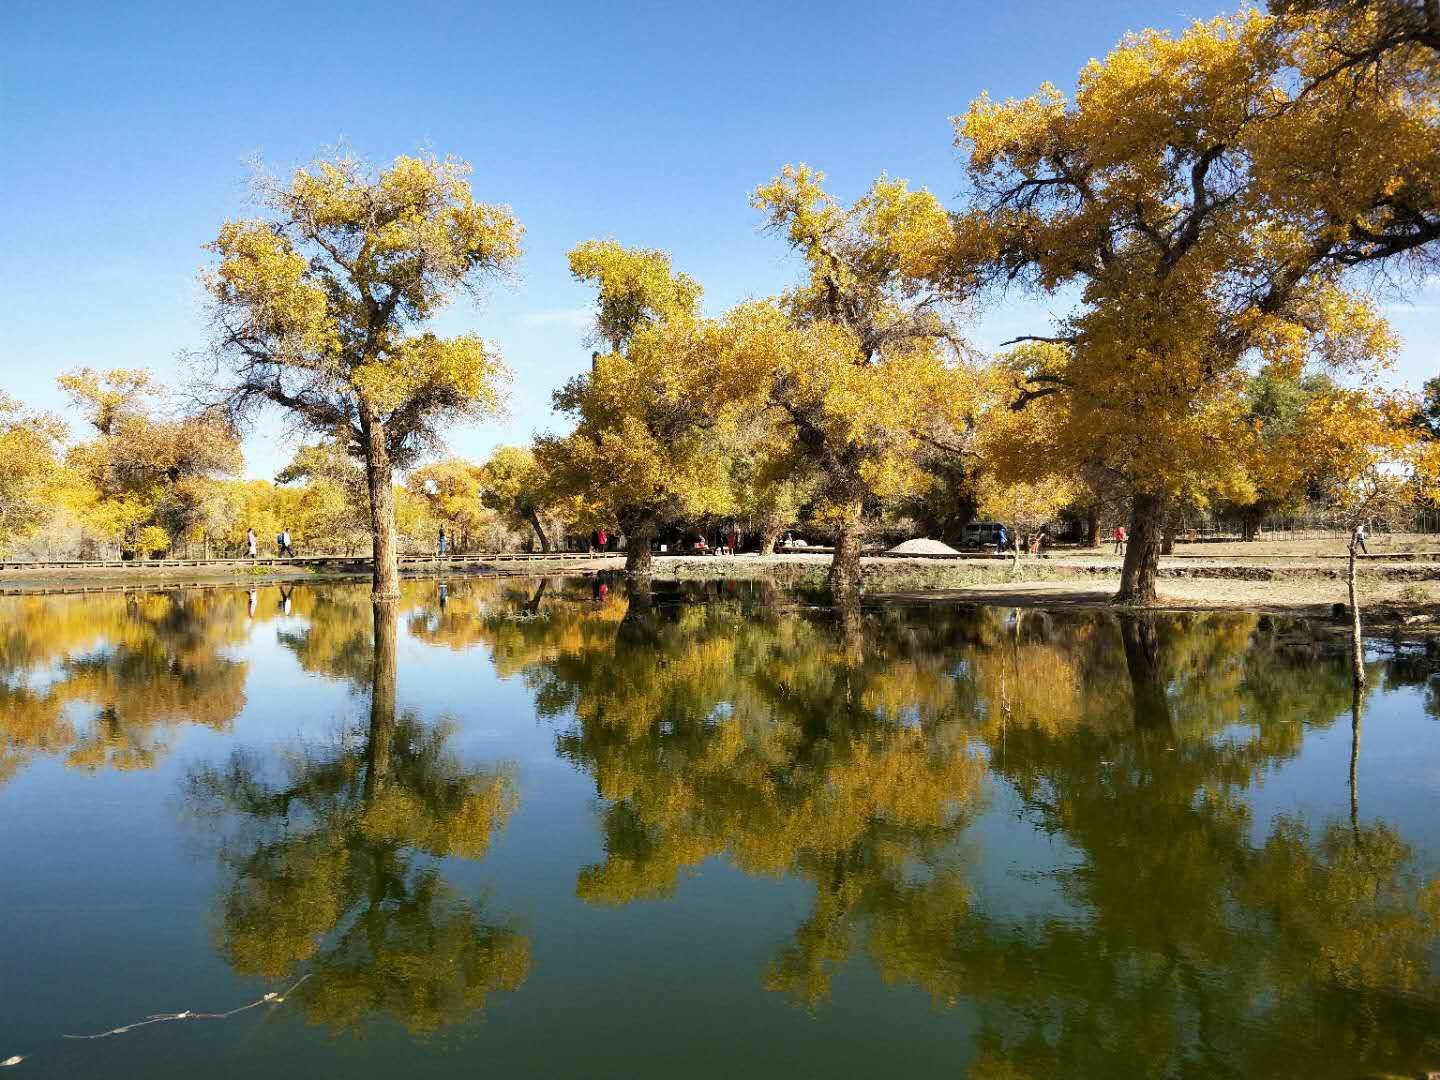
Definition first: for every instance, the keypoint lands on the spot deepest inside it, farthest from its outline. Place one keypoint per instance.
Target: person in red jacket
(1120, 539)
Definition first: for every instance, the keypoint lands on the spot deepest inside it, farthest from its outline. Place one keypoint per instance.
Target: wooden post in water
(1357, 644)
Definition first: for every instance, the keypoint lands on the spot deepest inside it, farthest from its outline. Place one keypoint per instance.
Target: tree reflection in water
(104, 682)
(331, 865)
(854, 752)
(857, 752)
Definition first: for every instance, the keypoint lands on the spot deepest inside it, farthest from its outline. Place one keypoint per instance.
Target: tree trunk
(639, 532)
(379, 477)
(534, 519)
(1248, 523)
(1357, 643)
(1092, 527)
(1015, 552)
(769, 534)
(1142, 551)
(845, 574)
(381, 738)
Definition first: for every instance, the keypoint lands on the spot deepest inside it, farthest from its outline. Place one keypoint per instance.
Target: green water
(511, 829)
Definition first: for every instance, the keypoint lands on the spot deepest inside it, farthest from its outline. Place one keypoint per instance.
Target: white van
(981, 534)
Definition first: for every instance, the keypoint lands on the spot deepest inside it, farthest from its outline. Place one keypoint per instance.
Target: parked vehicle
(979, 535)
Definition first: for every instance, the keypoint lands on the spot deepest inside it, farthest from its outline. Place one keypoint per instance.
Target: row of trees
(1208, 201)
(147, 480)
(1217, 208)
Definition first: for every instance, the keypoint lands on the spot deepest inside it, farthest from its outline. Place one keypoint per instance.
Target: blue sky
(125, 130)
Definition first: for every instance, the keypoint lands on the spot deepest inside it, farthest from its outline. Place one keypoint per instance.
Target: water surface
(517, 828)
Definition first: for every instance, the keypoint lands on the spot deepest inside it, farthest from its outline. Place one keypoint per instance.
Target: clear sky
(125, 129)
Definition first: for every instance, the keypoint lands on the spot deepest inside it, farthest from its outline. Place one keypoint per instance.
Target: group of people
(729, 544)
(1033, 542)
(282, 544)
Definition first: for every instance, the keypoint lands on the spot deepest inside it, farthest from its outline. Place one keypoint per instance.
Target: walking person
(1120, 539)
(1002, 539)
(1357, 540)
(602, 538)
(440, 544)
(250, 543)
(284, 542)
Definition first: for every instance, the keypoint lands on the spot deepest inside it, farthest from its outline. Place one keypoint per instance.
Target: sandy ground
(1312, 596)
(1290, 547)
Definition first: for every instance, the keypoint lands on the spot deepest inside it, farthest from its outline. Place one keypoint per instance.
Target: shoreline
(1398, 597)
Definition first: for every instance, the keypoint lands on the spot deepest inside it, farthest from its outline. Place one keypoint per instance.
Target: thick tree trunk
(1092, 527)
(845, 574)
(769, 534)
(1248, 524)
(1357, 643)
(639, 532)
(1142, 551)
(380, 479)
(381, 738)
(534, 519)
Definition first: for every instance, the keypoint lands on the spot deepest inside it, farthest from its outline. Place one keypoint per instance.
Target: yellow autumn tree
(856, 359)
(650, 412)
(321, 308)
(1005, 443)
(145, 478)
(1364, 450)
(30, 448)
(1157, 195)
(1359, 151)
(514, 485)
(450, 491)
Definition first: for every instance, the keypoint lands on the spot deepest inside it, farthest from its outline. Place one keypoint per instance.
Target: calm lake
(518, 828)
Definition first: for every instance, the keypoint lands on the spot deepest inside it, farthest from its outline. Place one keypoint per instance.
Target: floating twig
(271, 998)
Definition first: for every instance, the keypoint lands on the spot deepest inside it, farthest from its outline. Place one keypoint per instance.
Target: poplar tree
(320, 308)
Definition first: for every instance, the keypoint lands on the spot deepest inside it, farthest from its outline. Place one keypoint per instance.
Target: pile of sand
(922, 547)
